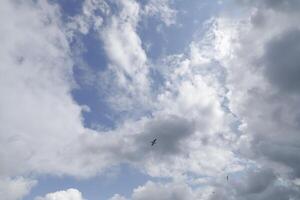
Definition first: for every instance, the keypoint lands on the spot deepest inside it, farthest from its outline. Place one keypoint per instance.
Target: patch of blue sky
(87, 92)
(121, 180)
(94, 54)
(69, 7)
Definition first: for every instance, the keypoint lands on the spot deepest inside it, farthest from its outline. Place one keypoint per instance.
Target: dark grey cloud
(255, 184)
(285, 154)
(282, 61)
(276, 192)
(258, 19)
(282, 4)
(278, 5)
(170, 131)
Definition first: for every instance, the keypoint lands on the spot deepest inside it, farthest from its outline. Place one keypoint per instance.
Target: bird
(227, 177)
(153, 142)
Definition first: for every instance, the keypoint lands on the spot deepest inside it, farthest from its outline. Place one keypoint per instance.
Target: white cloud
(15, 189)
(160, 191)
(39, 115)
(263, 104)
(89, 18)
(220, 82)
(37, 111)
(258, 92)
(164, 192)
(70, 194)
(117, 197)
(191, 96)
(248, 185)
(126, 81)
(162, 9)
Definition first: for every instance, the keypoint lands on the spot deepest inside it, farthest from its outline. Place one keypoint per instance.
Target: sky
(86, 85)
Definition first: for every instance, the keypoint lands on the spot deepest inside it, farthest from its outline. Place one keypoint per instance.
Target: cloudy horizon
(87, 85)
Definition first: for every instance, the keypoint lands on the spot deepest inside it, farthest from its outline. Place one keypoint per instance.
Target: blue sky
(87, 85)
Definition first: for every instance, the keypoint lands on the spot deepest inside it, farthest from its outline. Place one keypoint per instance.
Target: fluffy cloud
(263, 93)
(254, 184)
(48, 122)
(281, 61)
(167, 191)
(221, 108)
(37, 111)
(251, 184)
(14, 189)
(128, 70)
(70, 194)
(267, 97)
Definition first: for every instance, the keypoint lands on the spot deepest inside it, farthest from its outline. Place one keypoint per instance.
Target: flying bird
(153, 142)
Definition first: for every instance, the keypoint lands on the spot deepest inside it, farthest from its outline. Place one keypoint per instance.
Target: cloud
(278, 5)
(48, 123)
(38, 112)
(185, 114)
(14, 189)
(70, 194)
(228, 105)
(126, 81)
(92, 17)
(282, 62)
(170, 131)
(117, 197)
(256, 182)
(251, 184)
(162, 9)
(266, 97)
(262, 93)
(167, 191)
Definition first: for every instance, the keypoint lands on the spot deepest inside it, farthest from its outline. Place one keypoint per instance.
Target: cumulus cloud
(70, 194)
(37, 111)
(48, 122)
(126, 81)
(167, 191)
(229, 105)
(281, 61)
(263, 94)
(14, 189)
(254, 184)
(251, 184)
(265, 98)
